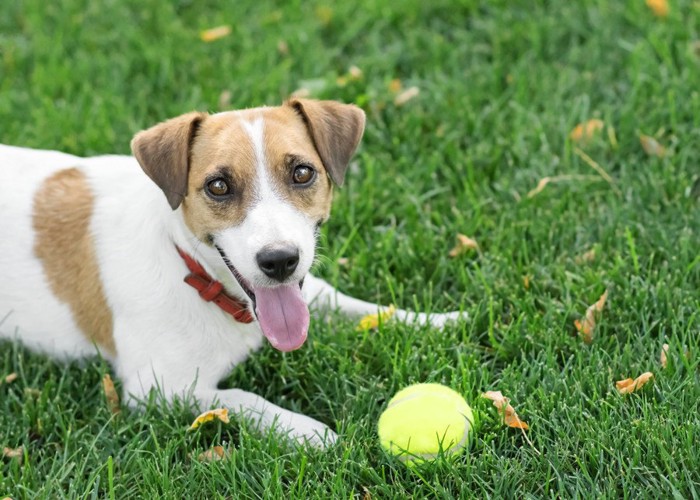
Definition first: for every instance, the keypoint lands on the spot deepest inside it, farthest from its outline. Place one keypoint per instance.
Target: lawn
(501, 86)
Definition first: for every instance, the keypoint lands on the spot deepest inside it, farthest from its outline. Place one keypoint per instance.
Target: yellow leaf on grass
(324, 14)
(586, 257)
(540, 186)
(213, 34)
(208, 416)
(586, 326)
(502, 403)
(584, 132)
(406, 95)
(629, 385)
(213, 454)
(111, 394)
(395, 86)
(282, 48)
(13, 452)
(372, 320)
(10, 378)
(652, 147)
(464, 244)
(663, 358)
(658, 7)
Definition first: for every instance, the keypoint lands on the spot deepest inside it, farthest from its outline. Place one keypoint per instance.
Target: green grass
(502, 84)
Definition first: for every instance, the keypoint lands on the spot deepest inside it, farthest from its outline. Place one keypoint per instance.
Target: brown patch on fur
(62, 212)
(287, 143)
(222, 148)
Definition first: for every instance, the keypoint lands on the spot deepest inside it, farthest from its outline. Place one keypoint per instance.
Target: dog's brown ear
(336, 130)
(163, 151)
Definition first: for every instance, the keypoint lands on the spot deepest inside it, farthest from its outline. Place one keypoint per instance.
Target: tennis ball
(423, 419)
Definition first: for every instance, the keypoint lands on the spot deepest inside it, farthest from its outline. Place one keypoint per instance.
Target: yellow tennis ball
(423, 419)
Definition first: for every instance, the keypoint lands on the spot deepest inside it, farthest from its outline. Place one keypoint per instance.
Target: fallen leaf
(13, 452)
(652, 147)
(355, 73)
(111, 394)
(540, 186)
(324, 14)
(225, 99)
(213, 454)
(586, 257)
(629, 386)
(464, 244)
(208, 416)
(301, 92)
(586, 326)
(658, 7)
(526, 281)
(10, 378)
(372, 320)
(343, 261)
(663, 358)
(584, 132)
(213, 34)
(502, 403)
(282, 48)
(406, 96)
(395, 86)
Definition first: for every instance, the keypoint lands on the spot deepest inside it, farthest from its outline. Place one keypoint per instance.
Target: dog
(177, 275)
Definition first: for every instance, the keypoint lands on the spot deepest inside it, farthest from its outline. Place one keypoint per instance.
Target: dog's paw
(443, 319)
(436, 320)
(306, 430)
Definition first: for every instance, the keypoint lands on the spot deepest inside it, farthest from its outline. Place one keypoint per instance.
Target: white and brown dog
(93, 256)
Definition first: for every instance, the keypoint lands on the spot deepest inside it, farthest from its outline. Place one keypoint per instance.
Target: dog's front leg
(265, 415)
(322, 296)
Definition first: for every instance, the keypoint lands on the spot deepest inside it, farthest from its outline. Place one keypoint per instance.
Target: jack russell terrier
(93, 256)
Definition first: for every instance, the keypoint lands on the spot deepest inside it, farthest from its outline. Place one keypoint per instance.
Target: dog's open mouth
(281, 311)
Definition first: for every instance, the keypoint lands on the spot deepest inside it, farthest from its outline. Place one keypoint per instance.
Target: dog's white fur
(166, 336)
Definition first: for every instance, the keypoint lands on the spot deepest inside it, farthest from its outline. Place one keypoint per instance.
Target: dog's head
(256, 185)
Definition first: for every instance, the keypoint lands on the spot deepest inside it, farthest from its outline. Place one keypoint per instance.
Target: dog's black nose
(278, 262)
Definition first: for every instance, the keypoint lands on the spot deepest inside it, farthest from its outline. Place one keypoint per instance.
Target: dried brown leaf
(406, 95)
(282, 48)
(502, 403)
(584, 132)
(13, 452)
(586, 257)
(652, 147)
(213, 34)
(663, 358)
(213, 454)
(629, 385)
(208, 416)
(10, 378)
(395, 86)
(324, 14)
(658, 7)
(111, 394)
(464, 244)
(586, 326)
(526, 281)
(225, 99)
(540, 186)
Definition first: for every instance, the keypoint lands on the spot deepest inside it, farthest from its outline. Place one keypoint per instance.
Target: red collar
(213, 291)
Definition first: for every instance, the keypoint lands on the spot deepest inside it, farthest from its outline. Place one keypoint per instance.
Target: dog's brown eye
(303, 174)
(218, 187)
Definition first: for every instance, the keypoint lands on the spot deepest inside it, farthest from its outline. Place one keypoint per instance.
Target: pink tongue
(283, 316)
